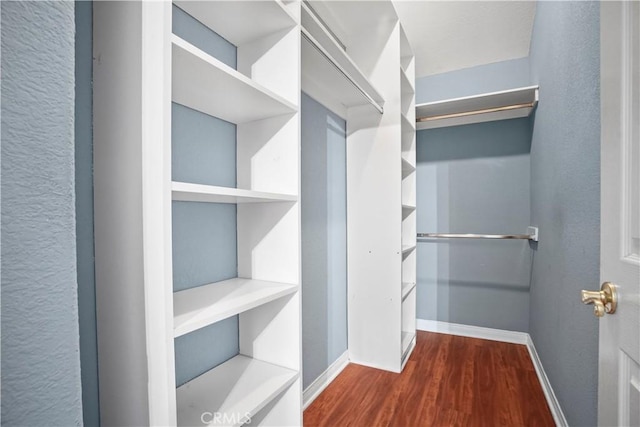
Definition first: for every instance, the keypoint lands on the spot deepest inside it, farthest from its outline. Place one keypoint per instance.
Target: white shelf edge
(407, 287)
(188, 192)
(218, 90)
(205, 305)
(519, 102)
(408, 207)
(240, 388)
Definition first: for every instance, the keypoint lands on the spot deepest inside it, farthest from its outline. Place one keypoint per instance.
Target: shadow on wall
(475, 179)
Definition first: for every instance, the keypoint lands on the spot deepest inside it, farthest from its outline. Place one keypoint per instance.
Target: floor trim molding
(472, 331)
(552, 400)
(319, 384)
(504, 336)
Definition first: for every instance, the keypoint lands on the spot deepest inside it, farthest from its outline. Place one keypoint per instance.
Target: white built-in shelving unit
(357, 61)
(486, 107)
(409, 229)
(141, 68)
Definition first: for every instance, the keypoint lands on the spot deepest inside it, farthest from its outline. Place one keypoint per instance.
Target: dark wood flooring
(448, 381)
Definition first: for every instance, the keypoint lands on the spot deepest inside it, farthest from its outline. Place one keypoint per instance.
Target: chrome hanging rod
(476, 236)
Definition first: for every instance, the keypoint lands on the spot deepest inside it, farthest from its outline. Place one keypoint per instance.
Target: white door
(619, 357)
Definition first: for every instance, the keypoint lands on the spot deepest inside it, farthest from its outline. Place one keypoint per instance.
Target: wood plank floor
(448, 381)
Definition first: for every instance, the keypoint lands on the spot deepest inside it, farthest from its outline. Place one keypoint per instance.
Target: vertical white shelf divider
(408, 161)
(380, 190)
(141, 60)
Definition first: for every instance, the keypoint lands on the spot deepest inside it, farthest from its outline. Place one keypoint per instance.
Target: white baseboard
(554, 405)
(504, 336)
(325, 378)
(472, 331)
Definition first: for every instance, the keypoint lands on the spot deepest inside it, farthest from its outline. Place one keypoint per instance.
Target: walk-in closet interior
(277, 195)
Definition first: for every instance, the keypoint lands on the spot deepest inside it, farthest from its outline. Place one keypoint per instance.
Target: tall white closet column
(141, 67)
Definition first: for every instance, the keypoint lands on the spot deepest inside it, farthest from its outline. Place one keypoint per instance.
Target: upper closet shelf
(188, 192)
(328, 73)
(202, 82)
(240, 387)
(201, 306)
(240, 22)
(508, 104)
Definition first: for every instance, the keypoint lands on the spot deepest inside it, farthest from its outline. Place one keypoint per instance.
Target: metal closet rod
(475, 236)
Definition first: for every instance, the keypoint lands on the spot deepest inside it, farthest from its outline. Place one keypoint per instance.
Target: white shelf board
(407, 248)
(407, 168)
(474, 105)
(407, 338)
(324, 69)
(407, 287)
(202, 82)
(240, 22)
(198, 307)
(406, 84)
(188, 192)
(407, 126)
(240, 387)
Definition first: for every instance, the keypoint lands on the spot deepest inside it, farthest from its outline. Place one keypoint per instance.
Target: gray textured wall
(474, 179)
(474, 80)
(40, 341)
(324, 239)
(565, 201)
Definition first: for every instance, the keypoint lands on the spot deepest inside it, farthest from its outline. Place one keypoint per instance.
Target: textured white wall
(40, 343)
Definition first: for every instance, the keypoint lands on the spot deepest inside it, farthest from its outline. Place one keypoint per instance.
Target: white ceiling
(451, 35)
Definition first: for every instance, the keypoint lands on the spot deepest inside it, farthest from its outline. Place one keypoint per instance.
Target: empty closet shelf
(198, 307)
(238, 389)
(187, 192)
(238, 99)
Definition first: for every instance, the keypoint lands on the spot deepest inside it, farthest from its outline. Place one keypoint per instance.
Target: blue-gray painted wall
(324, 239)
(565, 201)
(473, 81)
(84, 213)
(474, 179)
(204, 237)
(41, 382)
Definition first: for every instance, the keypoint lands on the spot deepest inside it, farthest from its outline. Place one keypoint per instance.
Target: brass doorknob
(604, 301)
